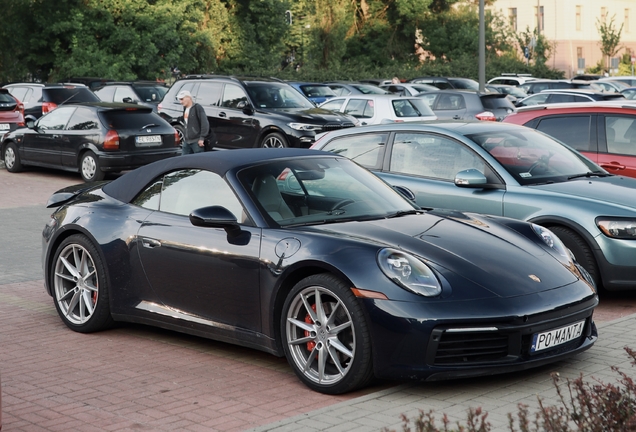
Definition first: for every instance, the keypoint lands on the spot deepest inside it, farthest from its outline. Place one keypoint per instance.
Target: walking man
(196, 123)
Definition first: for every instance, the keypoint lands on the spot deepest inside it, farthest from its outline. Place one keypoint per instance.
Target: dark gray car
(468, 105)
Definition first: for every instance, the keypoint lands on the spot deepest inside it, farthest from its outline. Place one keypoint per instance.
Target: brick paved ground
(136, 378)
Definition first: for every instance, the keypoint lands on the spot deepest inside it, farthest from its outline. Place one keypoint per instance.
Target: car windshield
(314, 191)
(151, 93)
(369, 89)
(532, 157)
(277, 96)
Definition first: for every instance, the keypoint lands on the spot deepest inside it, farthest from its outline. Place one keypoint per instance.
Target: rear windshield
(6, 98)
(68, 95)
(131, 119)
(496, 102)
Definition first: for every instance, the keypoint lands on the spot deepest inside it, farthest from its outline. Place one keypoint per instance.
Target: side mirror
(471, 178)
(245, 107)
(30, 123)
(128, 100)
(215, 217)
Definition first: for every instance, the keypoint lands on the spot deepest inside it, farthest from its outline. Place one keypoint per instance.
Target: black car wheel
(325, 335)
(80, 291)
(89, 167)
(582, 252)
(274, 140)
(12, 158)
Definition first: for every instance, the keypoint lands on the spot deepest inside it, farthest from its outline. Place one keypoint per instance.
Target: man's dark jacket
(198, 126)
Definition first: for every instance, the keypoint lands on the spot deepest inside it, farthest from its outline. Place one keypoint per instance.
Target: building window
(603, 14)
(512, 17)
(539, 19)
(626, 23)
(579, 52)
(578, 18)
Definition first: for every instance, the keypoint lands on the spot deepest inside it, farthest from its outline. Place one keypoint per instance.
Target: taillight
(48, 107)
(486, 116)
(20, 109)
(177, 139)
(111, 142)
(159, 107)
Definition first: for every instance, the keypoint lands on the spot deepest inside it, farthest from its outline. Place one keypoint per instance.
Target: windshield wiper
(334, 220)
(404, 213)
(148, 125)
(590, 174)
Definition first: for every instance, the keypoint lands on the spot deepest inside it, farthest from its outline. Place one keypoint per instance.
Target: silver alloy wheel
(273, 141)
(320, 335)
(76, 283)
(9, 157)
(89, 167)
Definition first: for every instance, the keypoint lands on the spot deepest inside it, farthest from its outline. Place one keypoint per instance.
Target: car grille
(333, 126)
(471, 347)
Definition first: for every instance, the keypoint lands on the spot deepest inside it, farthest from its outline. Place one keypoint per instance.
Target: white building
(572, 25)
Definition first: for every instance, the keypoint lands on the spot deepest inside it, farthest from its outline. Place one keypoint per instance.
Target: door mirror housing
(471, 178)
(215, 217)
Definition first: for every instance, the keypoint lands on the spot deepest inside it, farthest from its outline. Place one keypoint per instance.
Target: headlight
(617, 228)
(409, 272)
(305, 127)
(550, 239)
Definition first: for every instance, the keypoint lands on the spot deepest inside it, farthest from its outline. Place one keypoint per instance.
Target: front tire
(12, 158)
(90, 169)
(325, 335)
(274, 140)
(582, 252)
(80, 290)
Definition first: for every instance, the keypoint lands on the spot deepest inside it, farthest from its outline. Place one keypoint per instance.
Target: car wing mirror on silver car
(471, 178)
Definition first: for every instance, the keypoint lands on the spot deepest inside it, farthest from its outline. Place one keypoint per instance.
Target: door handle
(613, 166)
(150, 243)
(222, 114)
(456, 117)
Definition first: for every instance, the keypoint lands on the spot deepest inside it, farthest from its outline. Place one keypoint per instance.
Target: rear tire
(582, 252)
(12, 158)
(90, 168)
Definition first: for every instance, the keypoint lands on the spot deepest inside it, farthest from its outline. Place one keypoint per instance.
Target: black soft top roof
(126, 187)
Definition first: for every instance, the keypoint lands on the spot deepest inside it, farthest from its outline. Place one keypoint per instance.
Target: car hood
(617, 190)
(309, 115)
(475, 247)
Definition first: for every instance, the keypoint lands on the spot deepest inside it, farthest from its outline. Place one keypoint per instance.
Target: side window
(429, 99)
(359, 108)
(106, 93)
(621, 135)
(365, 149)
(209, 93)
(180, 192)
(431, 156)
(574, 131)
(124, 92)
(450, 102)
(232, 96)
(18, 92)
(83, 119)
(56, 120)
(189, 86)
(333, 105)
(536, 99)
(560, 98)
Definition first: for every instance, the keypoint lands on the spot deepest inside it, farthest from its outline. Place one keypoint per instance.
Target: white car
(380, 109)
(408, 89)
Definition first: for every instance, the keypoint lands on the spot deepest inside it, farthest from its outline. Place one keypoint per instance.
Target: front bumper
(411, 342)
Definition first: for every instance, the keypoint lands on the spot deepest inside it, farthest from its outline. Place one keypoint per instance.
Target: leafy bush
(586, 407)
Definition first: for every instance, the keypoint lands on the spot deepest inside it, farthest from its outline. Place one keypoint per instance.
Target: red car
(11, 113)
(605, 132)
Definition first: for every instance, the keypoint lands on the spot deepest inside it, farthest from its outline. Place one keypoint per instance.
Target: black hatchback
(93, 139)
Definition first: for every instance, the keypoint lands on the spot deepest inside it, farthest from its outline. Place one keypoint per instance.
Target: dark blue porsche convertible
(305, 254)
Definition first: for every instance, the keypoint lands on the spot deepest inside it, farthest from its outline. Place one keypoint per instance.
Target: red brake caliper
(308, 320)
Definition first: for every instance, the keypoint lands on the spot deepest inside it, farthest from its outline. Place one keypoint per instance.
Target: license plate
(148, 140)
(4, 126)
(552, 338)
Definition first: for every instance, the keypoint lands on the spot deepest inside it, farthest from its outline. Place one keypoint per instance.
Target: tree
(610, 38)
(539, 47)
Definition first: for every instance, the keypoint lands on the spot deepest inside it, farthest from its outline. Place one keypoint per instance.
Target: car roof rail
(516, 74)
